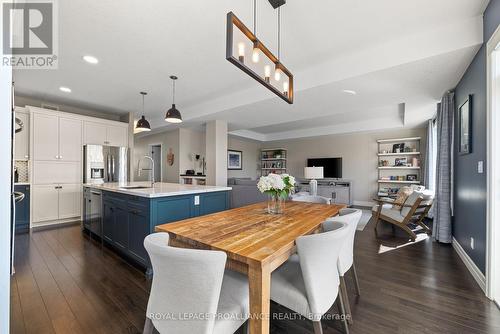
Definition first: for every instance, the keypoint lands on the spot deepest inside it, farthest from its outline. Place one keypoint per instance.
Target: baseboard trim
(363, 203)
(473, 269)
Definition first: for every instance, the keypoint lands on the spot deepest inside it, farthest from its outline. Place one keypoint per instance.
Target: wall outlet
(480, 167)
(472, 243)
(197, 200)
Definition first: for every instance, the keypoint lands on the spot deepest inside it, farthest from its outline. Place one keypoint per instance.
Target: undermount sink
(135, 187)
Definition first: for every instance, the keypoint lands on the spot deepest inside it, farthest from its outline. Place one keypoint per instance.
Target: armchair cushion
(393, 214)
(401, 196)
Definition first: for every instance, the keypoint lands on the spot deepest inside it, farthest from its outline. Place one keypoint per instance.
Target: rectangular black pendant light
(241, 43)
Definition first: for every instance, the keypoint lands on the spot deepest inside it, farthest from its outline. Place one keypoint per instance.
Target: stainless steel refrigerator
(103, 164)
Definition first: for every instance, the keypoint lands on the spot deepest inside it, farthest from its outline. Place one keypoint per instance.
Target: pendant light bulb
(277, 74)
(267, 73)
(255, 54)
(241, 52)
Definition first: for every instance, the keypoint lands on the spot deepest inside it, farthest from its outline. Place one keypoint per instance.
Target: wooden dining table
(256, 243)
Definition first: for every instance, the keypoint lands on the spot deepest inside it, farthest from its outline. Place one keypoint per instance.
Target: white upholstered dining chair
(193, 282)
(350, 217)
(311, 199)
(308, 283)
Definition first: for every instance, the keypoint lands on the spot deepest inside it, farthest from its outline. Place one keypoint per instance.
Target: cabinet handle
(60, 157)
(26, 156)
(57, 157)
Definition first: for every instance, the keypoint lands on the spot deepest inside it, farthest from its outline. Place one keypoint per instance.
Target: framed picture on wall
(234, 160)
(465, 126)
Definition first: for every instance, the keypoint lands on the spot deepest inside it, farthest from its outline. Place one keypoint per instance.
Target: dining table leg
(259, 281)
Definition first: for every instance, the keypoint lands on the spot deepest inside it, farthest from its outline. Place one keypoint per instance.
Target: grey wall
(470, 187)
(359, 156)
(251, 157)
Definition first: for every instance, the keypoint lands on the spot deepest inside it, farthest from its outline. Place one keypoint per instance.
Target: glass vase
(275, 205)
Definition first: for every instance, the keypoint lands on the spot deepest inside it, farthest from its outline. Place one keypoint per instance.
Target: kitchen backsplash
(22, 170)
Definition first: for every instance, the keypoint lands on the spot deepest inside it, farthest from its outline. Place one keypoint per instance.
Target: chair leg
(342, 312)
(405, 228)
(356, 281)
(347, 306)
(317, 327)
(148, 326)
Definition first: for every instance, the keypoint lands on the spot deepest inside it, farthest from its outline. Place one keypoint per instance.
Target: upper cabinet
(45, 137)
(22, 137)
(56, 138)
(105, 134)
(70, 139)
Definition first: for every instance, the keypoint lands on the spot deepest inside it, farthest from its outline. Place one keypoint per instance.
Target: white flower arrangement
(276, 185)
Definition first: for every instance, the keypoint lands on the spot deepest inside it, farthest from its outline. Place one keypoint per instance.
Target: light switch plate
(480, 167)
(197, 200)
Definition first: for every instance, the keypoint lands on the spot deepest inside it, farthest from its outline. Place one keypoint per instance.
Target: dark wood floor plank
(16, 313)
(81, 306)
(35, 315)
(420, 288)
(105, 280)
(63, 319)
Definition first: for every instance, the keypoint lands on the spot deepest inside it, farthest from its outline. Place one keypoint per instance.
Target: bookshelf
(399, 162)
(273, 160)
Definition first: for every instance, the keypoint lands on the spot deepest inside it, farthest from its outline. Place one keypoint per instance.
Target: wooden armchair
(414, 210)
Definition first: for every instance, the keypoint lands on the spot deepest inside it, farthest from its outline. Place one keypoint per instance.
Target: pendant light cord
(143, 104)
(255, 18)
(173, 92)
(279, 33)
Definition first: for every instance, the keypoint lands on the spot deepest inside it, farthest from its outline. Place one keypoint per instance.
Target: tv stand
(337, 189)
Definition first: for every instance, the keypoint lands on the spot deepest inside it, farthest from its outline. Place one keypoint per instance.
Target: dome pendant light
(173, 115)
(143, 124)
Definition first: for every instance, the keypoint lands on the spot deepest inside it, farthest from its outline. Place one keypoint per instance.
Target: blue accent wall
(470, 186)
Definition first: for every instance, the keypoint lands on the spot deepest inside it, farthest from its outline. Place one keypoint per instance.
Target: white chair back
(318, 255)
(312, 199)
(350, 217)
(184, 281)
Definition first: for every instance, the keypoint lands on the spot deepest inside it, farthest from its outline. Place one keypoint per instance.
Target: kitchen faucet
(152, 170)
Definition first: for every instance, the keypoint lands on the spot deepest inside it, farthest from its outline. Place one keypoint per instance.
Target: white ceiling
(399, 56)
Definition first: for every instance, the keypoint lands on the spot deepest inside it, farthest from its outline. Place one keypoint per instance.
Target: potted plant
(278, 187)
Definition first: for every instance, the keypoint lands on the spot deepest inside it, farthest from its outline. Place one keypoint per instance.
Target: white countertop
(160, 189)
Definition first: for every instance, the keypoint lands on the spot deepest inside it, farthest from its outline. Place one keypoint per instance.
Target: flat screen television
(332, 167)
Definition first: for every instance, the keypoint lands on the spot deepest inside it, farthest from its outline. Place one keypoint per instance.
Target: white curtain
(430, 160)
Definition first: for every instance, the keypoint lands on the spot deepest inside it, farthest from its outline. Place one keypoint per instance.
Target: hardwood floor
(66, 284)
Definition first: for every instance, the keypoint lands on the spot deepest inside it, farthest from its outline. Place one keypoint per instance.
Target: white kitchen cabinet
(117, 136)
(45, 202)
(105, 134)
(56, 172)
(70, 199)
(56, 202)
(70, 139)
(22, 138)
(45, 137)
(56, 138)
(94, 133)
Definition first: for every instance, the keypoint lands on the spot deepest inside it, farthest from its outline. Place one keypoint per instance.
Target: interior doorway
(493, 154)
(155, 151)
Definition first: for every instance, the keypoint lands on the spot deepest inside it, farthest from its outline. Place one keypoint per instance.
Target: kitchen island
(124, 214)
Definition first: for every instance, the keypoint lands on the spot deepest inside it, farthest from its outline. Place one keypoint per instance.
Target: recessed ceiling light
(348, 91)
(65, 89)
(91, 59)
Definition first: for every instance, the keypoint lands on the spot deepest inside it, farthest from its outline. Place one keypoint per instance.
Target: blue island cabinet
(128, 219)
